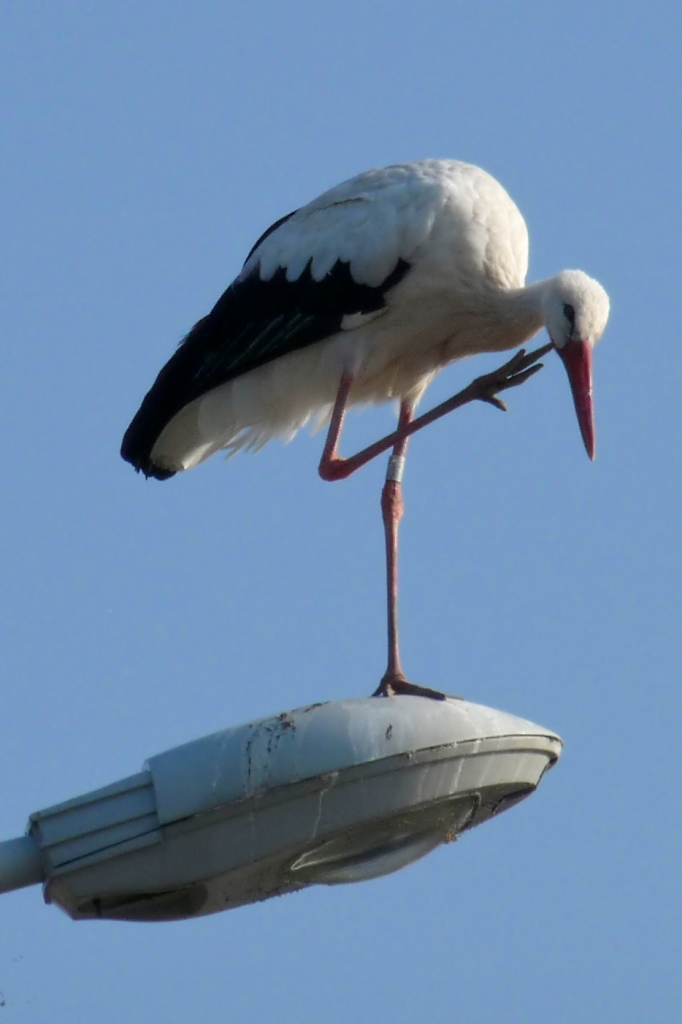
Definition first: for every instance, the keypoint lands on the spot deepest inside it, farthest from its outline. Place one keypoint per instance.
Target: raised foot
(394, 685)
(517, 371)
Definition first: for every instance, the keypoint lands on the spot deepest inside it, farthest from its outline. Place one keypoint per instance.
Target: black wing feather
(252, 323)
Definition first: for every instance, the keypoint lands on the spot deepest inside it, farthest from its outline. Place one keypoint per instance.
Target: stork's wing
(305, 275)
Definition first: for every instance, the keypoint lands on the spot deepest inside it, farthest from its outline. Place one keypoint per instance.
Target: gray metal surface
(239, 762)
(331, 793)
(20, 863)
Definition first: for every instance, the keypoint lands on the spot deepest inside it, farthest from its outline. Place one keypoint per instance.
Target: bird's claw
(520, 368)
(395, 684)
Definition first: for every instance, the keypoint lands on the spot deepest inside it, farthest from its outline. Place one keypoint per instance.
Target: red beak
(577, 358)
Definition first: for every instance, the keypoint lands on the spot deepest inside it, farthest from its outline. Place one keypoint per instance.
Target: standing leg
(334, 467)
(392, 508)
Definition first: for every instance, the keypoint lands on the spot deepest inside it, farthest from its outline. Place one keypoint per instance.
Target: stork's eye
(569, 313)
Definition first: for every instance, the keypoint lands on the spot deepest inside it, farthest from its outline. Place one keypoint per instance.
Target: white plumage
(359, 297)
(467, 248)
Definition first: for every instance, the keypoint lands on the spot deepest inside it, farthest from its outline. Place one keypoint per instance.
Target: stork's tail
(174, 388)
(138, 441)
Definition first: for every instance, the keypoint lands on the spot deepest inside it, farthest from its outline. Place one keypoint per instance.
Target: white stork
(362, 296)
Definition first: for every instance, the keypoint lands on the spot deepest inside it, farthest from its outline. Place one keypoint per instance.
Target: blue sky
(146, 146)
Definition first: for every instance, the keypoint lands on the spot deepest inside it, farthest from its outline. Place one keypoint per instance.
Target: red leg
(392, 508)
(484, 389)
(333, 467)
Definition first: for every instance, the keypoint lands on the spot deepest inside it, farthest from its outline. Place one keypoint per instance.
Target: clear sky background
(145, 146)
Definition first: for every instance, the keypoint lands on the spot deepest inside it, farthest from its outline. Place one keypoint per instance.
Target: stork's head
(576, 312)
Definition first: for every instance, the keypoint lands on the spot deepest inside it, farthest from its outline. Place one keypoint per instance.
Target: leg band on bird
(395, 468)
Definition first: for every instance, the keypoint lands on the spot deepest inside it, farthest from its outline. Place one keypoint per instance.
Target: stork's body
(362, 296)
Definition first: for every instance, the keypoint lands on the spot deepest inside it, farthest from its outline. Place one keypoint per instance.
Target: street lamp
(331, 793)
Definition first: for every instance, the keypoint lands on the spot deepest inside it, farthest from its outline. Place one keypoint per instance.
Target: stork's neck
(515, 315)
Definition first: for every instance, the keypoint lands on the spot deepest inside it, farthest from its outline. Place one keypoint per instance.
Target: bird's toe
(395, 684)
